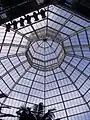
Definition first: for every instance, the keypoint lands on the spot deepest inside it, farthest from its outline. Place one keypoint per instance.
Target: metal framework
(55, 71)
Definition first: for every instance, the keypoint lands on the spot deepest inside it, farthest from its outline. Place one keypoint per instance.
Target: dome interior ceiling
(47, 61)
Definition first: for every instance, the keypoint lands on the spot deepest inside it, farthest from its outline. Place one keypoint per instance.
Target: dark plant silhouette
(25, 114)
(49, 115)
(3, 95)
(37, 113)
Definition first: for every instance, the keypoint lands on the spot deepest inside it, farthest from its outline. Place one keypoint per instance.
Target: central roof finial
(45, 39)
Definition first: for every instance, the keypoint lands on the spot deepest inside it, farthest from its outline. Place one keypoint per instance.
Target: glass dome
(45, 54)
(47, 61)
